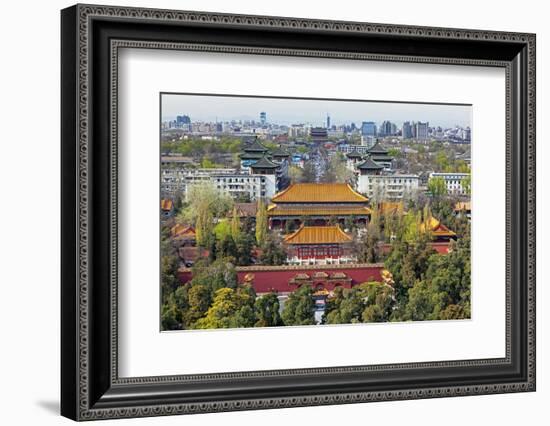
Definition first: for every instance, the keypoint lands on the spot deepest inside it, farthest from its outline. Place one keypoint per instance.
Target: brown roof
(316, 210)
(182, 231)
(191, 253)
(166, 204)
(318, 235)
(319, 193)
(246, 209)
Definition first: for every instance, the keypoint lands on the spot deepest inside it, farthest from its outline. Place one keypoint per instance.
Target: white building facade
(453, 182)
(179, 180)
(394, 187)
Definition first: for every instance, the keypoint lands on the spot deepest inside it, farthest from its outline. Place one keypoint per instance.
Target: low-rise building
(388, 187)
(177, 181)
(347, 148)
(242, 186)
(453, 182)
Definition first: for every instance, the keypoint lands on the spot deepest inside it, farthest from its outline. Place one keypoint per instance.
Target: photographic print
(312, 212)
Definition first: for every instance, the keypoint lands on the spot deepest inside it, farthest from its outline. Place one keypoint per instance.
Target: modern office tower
(388, 129)
(328, 121)
(263, 118)
(421, 131)
(368, 128)
(183, 119)
(406, 131)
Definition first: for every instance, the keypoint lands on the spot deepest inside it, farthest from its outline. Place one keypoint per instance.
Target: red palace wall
(439, 247)
(277, 278)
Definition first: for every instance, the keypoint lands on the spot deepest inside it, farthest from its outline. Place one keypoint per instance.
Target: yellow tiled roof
(318, 235)
(312, 210)
(166, 204)
(319, 193)
(463, 205)
(436, 228)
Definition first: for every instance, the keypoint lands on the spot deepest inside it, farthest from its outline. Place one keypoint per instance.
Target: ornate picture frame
(90, 39)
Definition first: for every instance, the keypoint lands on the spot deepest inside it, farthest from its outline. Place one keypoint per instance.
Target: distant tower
(263, 118)
(368, 128)
(328, 121)
(407, 131)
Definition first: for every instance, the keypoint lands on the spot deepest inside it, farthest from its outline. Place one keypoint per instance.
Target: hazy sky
(291, 111)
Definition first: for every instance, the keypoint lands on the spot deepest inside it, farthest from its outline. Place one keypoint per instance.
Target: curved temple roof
(319, 193)
(318, 235)
(369, 164)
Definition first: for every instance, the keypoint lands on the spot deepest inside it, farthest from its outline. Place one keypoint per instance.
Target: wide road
(319, 159)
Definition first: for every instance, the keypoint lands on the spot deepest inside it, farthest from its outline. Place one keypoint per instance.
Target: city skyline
(285, 111)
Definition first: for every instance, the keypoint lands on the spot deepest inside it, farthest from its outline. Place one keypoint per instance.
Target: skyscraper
(368, 128)
(183, 119)
(388, 129)
(328, 121)
(263, 118)
(421, 132)
(406, 131)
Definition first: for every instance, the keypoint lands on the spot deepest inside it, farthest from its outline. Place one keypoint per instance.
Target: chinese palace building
(319, 245)
(380, 155)
(317, 203)
(439, 232)
(252, 153)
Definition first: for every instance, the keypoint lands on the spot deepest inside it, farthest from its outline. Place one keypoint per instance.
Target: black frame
(90, 387)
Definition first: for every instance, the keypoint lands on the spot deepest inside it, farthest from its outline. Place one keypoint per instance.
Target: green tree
(226, 248)
(244, 244)
(272, 251)
(199, 298)
(296, 174)
(231, 308)
(407, 262)
(309, 173)
(466, 184)
(299, 308)
(267, 311)
(346, 307)
(222, 229)
(368, 249)
(379, 302)
(444, 293)
(442, 160)
(261, 223)
(205, 200)
(204, 227)
(170, 315)
(168, 275)
(437, 187)
(235, 225)
(336, 170)
(219, 274)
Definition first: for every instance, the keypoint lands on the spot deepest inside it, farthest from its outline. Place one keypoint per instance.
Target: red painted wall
(277, 278)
